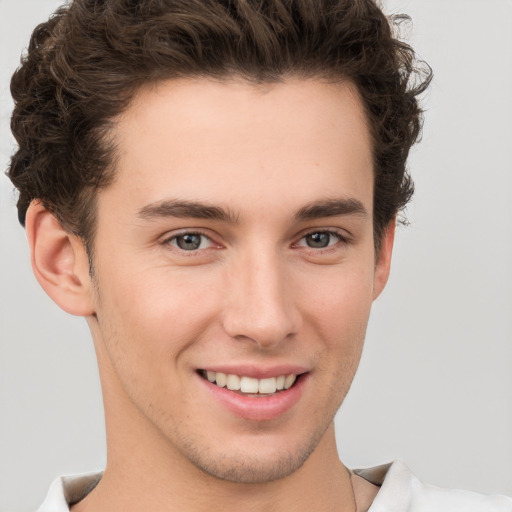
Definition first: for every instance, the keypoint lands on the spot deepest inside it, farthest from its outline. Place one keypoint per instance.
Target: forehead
(223, 141)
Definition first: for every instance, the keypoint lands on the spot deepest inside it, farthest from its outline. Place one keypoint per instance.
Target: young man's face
(237, 239)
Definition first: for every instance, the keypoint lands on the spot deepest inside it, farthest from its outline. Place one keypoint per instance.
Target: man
(214, 187)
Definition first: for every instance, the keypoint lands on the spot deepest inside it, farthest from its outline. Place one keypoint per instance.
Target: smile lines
(249, 384)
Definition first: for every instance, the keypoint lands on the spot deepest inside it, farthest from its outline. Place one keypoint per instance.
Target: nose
(260, 303)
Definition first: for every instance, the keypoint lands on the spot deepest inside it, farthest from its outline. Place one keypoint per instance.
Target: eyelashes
(190, 241)
(320, 239)
(196, 242)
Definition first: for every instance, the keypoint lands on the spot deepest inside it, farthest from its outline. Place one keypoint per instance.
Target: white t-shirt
(400, 491)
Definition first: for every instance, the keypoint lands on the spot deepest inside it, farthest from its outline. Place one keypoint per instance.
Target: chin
(247, 470)
(261, 465)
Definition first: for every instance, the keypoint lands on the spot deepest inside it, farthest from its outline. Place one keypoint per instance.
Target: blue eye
(190, 241)
(320, 239)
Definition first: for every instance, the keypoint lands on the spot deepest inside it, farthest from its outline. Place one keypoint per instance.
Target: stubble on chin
(246, 468)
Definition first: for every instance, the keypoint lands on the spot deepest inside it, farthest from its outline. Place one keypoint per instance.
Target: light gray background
(435, 385)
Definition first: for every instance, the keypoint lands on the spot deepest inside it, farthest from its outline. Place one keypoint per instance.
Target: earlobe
(59, 261)
(383, 263)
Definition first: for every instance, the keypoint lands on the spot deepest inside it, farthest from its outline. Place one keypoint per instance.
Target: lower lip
(257, 408)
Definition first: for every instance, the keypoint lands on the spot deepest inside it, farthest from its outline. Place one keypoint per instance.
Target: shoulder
(67, 490)
(401, 491)
(429, 498)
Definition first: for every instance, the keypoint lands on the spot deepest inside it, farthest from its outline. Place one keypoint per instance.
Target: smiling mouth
(250, 386)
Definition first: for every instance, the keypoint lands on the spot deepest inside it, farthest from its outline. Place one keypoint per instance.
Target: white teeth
(290, 379)
(233, 382)
(251, 385)
(221, 379)
(267, 385)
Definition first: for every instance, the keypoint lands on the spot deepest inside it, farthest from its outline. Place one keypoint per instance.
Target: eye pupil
(188, 242)
(318, 240)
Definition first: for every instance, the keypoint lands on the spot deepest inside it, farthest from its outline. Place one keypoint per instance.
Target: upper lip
(257, 372)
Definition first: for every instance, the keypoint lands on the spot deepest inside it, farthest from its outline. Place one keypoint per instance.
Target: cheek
(340, 302)
(154, 315)
(337, 316)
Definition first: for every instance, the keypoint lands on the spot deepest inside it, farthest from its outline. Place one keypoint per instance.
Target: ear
(59, 261)
(383, 264)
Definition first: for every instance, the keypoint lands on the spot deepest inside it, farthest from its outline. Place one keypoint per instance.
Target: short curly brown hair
(84, 65)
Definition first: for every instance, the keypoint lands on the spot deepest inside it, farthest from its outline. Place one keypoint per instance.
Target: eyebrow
(186, 209)
(331, 208)
(196, 210)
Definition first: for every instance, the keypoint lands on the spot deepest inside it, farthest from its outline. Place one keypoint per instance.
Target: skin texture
(255, 294)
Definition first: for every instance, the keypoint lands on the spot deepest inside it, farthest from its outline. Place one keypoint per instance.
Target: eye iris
(318, 240)
(188, 242)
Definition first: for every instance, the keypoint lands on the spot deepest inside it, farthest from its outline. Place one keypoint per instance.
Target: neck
(144, 475)
(142, 482)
